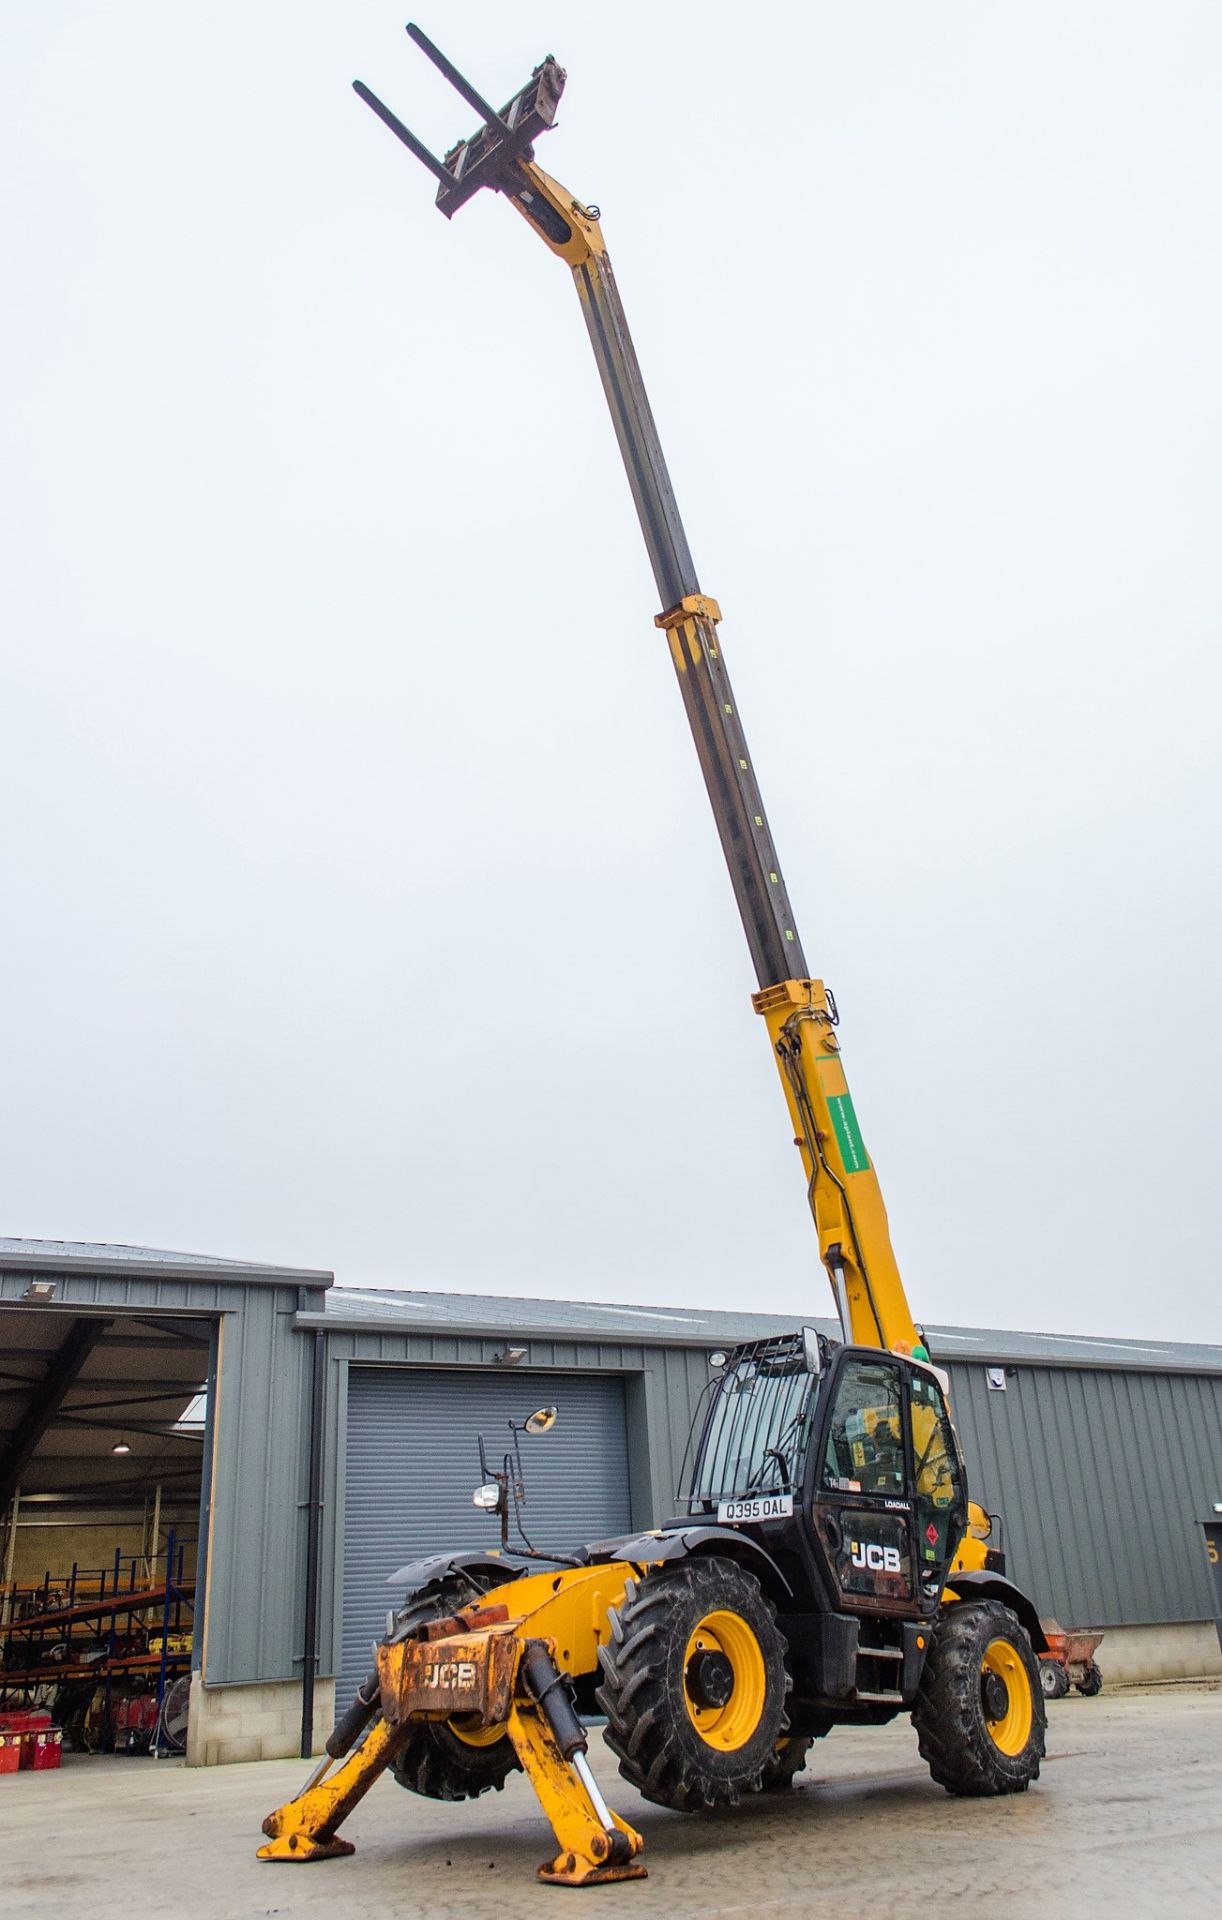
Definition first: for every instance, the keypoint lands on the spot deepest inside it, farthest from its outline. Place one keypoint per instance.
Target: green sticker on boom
(848, 1133)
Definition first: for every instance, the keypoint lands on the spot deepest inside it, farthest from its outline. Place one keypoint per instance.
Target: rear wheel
(451, 1759)
(979, 1714)
(694, 1687)
(1091, 1682)
(783, 1765)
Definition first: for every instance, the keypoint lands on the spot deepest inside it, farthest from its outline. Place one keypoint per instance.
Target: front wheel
(694, 1686)
(1091, 1682)
(979, 1713)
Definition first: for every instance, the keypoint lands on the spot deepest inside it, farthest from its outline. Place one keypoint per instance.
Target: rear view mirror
(541, 1422)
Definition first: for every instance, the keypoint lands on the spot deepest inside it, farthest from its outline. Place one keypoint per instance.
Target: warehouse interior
(103, 1423)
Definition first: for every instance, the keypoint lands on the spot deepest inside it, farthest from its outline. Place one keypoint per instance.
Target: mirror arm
(502, 1507)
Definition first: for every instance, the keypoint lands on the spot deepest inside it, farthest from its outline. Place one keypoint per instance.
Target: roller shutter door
(413, 1462)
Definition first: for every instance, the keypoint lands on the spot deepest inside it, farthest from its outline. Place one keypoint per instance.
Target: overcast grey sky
(361, 903)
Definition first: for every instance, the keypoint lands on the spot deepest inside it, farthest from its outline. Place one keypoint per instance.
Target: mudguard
(438, 1566)
(683, 1541)
(994, 1586)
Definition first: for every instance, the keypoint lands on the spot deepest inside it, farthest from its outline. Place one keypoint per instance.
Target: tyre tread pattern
(952, 1732)
(649, 1730)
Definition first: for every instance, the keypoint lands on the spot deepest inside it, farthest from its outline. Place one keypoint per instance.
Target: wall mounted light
(40, 1291)
(509, 1356)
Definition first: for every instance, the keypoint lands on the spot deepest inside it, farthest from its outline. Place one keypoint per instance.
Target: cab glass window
(865, 1442)
(936, 1475)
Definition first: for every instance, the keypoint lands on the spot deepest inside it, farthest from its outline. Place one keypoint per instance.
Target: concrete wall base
(261, 1721)
(1180, 1650)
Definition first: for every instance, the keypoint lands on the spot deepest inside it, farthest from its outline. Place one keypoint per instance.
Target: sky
(361, 904)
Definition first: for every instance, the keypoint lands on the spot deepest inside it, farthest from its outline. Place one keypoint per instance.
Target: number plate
(762, 1506)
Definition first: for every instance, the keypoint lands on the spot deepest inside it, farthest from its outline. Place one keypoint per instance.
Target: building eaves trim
(951, 1346)
(565, 1335)
(154, 1265)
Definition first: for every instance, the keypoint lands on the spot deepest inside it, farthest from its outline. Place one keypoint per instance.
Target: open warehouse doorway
(103, 1443)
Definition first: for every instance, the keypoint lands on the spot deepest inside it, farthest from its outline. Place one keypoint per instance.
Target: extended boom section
(843, 1190)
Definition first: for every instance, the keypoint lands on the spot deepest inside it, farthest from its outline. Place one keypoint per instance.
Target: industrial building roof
(509, 1316)
(68, 1256)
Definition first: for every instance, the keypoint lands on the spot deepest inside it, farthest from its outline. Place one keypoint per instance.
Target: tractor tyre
(1053, 1679)
(784, 1764)
(788, 1757)
(1091, 1683)
(451, 1759)
(694, 1685)
(979, 1715)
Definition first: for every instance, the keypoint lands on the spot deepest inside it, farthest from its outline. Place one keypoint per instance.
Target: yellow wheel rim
(469, 1729)
(1012, 1731)
(731, 1725)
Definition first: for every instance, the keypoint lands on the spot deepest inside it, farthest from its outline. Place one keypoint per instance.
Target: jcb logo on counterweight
(450, 1673)
(873, 1558)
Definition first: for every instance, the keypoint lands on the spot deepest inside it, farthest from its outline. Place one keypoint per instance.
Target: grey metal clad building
(341, 1440)
(1102, 1456)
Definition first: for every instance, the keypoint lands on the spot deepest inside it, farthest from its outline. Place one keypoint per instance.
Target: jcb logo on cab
(874, 1558)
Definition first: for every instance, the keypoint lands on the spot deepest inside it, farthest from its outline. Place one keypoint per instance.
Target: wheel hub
(995, 1696)
(709, 1680)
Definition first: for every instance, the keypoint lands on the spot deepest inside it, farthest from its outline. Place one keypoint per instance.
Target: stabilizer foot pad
(568, 1870)
(300, 1847)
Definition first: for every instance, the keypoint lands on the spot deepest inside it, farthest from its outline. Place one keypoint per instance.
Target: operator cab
(842, 1462)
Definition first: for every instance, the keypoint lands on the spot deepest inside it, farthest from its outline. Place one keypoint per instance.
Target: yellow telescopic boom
(800, 1014)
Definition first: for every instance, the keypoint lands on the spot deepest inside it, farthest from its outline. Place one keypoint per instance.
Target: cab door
(862, 1505)
(939, 1487)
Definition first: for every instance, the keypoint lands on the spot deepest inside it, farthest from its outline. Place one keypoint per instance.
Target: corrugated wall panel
(412, 1461)
(257, 1559)
(1103, 1478)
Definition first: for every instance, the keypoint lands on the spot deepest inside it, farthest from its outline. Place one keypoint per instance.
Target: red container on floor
(42, 1749)
(23, 1720)
(10, 1752)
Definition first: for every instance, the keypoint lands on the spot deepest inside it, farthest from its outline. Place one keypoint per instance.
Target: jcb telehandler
(828, 1567)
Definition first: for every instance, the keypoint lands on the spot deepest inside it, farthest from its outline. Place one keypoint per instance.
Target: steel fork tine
(455, 78)
(403, 133)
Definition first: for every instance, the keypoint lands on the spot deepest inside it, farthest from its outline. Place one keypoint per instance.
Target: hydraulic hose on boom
(800, 1014)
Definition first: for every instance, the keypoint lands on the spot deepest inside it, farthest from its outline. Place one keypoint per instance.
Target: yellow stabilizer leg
(588, 1853)
(304, 1828)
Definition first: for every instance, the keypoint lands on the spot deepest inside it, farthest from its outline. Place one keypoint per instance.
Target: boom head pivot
(494, 156)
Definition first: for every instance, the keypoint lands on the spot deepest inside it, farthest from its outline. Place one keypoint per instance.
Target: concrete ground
(1126, 1820)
